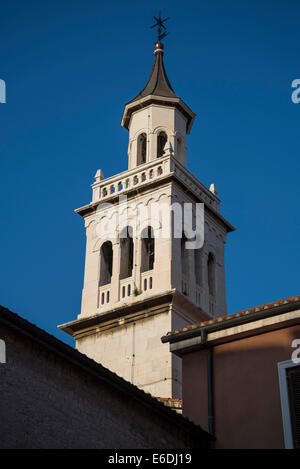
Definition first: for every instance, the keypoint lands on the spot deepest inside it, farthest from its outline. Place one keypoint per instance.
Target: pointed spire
(158, 83)
(158, 89)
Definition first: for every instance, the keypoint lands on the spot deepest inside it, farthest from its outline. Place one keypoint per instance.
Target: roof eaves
(249, 315)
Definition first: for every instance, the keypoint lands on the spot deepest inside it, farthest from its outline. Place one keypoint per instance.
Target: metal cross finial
(160, 24)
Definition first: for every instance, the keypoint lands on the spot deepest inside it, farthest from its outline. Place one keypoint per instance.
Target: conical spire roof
(158, 90)
(158, 83)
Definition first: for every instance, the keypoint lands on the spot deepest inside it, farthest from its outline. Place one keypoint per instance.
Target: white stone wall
(214, 242)
(131, 346)
(134, 351)
(151, 121)
(161, 277)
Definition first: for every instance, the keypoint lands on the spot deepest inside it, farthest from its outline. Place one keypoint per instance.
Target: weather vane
(160, 24)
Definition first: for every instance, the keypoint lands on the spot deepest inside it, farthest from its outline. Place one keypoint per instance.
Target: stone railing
(126, 288)
(131, 179)
(195, 185)
(147, 173)
(147, 280)
(104, 296)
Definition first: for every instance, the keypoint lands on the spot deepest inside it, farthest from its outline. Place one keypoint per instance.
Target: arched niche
(141, 149)
(106, 263)
(126, 254)
(147, 249)
(162, 139)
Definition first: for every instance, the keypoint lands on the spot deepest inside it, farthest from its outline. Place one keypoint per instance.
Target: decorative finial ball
(159, 47)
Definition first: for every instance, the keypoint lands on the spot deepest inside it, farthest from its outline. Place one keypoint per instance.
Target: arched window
(211, 274)
(198, 265)
(141, 149)
(148, 247)
(161, 143)
(106, 263)
(126, 245)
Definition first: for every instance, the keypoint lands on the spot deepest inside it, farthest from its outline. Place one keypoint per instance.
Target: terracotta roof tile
(171, 399)
(255, 309)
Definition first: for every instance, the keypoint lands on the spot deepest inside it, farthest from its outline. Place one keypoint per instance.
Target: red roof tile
(255, 309)
(169, 399)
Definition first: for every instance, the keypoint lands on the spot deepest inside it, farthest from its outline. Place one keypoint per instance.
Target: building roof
(75, 358)
(172, 403)
(158, 83)
(242, 316)
(158, 90)
(170, 399)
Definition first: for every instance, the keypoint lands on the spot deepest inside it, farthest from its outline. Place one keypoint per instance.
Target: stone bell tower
(138, 283)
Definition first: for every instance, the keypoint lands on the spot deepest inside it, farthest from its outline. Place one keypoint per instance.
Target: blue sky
(70, 67)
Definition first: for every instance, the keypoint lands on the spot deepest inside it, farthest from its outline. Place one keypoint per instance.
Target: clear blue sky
(70, 66)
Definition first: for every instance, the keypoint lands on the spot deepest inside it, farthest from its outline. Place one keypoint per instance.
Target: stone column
(152, 146)
(115, 282)
(136, 274)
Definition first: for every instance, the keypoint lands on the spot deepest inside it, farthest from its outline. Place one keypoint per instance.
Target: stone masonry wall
(48, 401)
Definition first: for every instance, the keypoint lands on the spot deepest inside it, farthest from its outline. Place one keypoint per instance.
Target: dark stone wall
(48, 401)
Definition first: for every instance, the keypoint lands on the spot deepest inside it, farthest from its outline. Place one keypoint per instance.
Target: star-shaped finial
(160, 24)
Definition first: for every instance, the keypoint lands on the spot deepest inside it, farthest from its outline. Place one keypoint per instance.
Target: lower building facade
(241, 376)
(52, 396)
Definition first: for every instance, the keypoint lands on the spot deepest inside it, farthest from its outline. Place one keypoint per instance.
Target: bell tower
(140, 282)
(157, 119)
